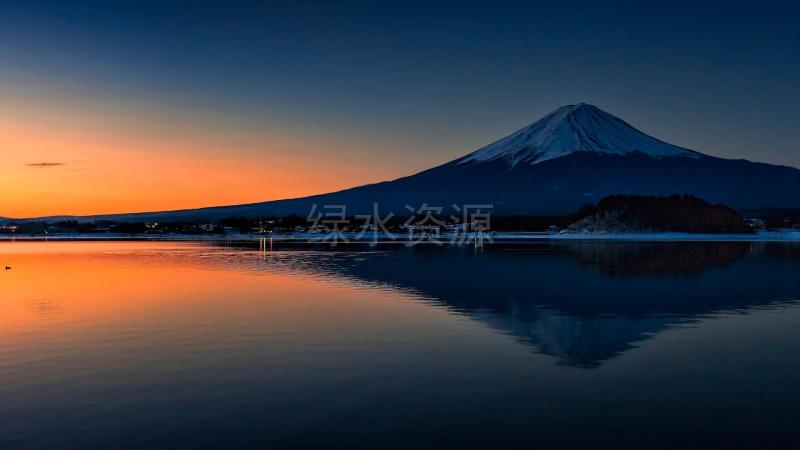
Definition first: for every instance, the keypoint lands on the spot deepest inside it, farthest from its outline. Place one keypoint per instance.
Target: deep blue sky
(436, 80)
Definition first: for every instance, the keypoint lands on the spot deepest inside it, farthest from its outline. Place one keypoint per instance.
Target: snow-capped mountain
(571, 129)
(575, 155)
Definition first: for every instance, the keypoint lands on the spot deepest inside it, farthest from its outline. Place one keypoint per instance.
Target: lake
(190, 345)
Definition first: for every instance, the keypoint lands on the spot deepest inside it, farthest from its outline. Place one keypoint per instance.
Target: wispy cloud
(45, 164)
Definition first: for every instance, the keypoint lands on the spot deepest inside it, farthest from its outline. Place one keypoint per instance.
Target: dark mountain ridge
(676, 213)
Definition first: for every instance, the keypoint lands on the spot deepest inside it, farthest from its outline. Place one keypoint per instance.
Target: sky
(121, 106)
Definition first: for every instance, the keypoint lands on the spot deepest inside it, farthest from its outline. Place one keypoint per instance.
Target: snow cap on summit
(574, 128)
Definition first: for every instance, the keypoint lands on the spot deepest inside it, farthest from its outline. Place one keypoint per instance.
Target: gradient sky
(132, 106)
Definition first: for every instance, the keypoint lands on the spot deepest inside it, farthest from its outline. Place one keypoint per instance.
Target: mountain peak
(574, 128)
(580, 105)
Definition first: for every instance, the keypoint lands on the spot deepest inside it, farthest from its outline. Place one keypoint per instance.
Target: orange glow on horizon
(61, 160)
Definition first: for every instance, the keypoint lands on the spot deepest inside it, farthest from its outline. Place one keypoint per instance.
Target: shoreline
(445, 239)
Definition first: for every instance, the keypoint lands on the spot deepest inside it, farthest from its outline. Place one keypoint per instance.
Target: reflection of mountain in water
(679, 259)
(585, 302)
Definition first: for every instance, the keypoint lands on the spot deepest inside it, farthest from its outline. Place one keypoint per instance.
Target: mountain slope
(575, 155)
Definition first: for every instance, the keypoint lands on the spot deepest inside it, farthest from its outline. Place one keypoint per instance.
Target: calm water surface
(117, 345)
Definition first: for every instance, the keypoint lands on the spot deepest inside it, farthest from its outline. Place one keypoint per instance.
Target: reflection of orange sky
(57, 288)
(142, 160)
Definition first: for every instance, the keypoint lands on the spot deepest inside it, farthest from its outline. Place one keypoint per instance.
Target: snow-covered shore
(760, 236)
